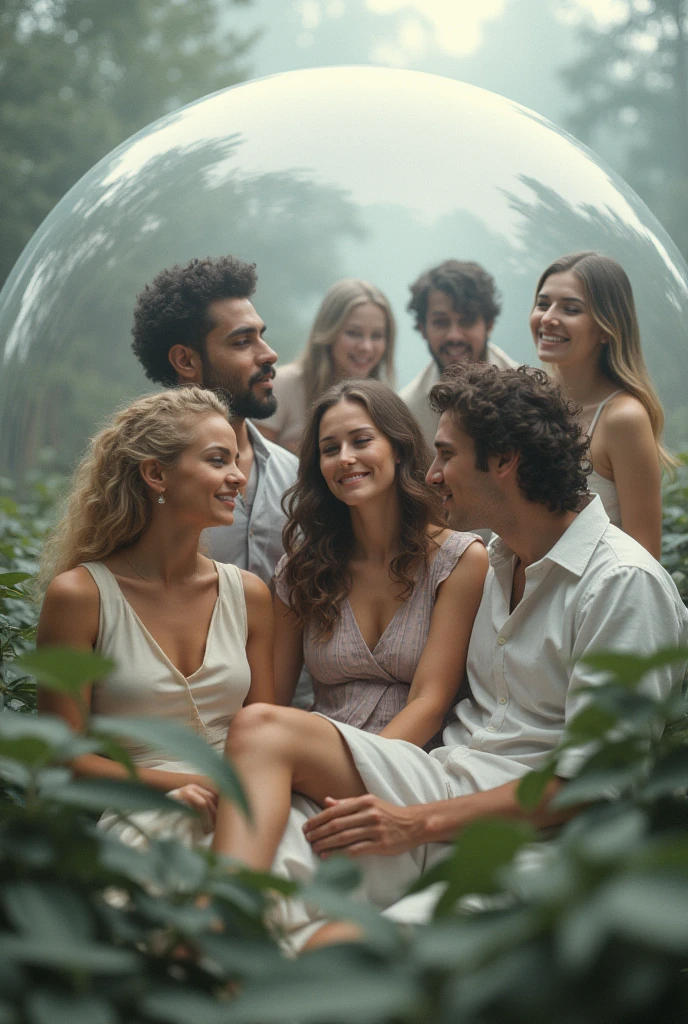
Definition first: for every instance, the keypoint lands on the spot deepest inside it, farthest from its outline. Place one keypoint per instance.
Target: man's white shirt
(597, 589)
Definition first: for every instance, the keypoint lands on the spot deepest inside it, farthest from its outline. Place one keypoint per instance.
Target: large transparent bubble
(315, 175)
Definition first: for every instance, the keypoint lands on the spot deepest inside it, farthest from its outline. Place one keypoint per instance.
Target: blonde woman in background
(352, 336)
(191, 638)
(584, 325)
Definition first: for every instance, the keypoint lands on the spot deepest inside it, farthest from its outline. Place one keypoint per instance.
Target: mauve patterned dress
(365, 688)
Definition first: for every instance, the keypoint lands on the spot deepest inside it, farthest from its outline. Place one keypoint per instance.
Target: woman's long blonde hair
(339, 301)
(610, 298)
(109, 505)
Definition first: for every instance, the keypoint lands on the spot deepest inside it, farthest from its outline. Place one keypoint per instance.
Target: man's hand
(363, 825)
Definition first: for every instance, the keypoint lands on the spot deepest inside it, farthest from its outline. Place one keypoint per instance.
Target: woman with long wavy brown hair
(374, 593)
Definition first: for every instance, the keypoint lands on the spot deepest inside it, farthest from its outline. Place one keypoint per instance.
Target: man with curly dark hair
(455, 305)
(563, 583)
(195, 324)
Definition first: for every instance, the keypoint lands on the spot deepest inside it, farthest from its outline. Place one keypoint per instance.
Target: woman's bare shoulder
(75, 587)
(71, 609)
(626, 418)
(254, 588)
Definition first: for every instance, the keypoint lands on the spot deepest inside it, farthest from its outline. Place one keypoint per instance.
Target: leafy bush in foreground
(590, 926)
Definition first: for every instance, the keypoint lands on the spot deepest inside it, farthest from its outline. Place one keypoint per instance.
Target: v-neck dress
(146, 683)
(365, 688)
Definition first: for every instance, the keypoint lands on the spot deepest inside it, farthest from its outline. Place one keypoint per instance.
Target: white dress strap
(600, 407)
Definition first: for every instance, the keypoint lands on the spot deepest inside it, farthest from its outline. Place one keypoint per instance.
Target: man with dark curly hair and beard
(455, 306)
(563, 582)
(196, 325)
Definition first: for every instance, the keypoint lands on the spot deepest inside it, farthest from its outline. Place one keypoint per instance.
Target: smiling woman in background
(584, 324)
(352, 336)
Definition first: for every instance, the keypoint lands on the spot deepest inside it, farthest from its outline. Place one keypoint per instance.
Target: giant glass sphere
(316, 175)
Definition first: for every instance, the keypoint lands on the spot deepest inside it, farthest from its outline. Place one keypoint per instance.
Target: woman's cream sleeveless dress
(147, 684)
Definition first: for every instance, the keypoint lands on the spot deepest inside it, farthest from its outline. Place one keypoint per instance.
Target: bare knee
(256, 727)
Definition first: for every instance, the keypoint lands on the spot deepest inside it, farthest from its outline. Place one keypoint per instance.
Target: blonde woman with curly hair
(584, 325)
(352, 337)
(191, 638)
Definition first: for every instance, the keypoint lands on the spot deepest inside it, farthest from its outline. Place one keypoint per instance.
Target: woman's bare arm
(631, 451)
(442, 664)
(288, 652)
(259, 646)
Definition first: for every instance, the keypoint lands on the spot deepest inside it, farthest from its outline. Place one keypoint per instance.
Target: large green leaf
(181, 869)
(651, 910)
(611, 836)
(64, 669)
(68, 956)
(116, 795)
(662, 853)
(591, 723)
(10, 579)
(187, 918)
(630, 668)
(451, 944)
(669, 774)
(242, 957)
(481, 850)
(34, 739)
(594, 784)
(141, 867)
(364, 996)
(532, 786)
(8, 1015)
(178, 1006)
(46, 909)
(50, 1006)
(179, 743)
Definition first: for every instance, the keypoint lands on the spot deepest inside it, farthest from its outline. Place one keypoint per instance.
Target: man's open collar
(574, 548)
(260, 449)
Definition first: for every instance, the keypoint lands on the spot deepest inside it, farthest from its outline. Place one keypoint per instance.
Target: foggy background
(77, 77)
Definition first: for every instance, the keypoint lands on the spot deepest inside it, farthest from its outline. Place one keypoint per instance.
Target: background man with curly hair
(196, 325)
(563, 582)
(455, 306)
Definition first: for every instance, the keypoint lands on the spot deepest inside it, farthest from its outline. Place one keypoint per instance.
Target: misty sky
(513, 47)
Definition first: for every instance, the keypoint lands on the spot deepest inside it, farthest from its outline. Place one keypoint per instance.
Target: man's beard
(482, 358)
(244, 404)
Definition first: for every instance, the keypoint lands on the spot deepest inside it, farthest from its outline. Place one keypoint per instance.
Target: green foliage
(588, 926)
(631, 88)
(79, 76)
(675, 528)
(23, 525)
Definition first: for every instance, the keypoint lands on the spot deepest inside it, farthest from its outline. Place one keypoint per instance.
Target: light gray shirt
(254, 540)
(597, 589)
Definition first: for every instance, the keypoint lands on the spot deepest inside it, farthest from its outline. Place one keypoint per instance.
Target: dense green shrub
(589, 926)
(23, 525)
(675, 528)
(596, 931)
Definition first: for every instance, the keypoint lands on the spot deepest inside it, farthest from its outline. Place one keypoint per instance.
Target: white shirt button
(501, 640)
(502, 700)
(490, 728)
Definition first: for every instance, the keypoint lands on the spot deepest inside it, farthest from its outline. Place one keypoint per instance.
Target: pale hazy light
(456, 24)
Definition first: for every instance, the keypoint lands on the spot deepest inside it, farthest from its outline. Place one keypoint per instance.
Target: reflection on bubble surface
(316, 175)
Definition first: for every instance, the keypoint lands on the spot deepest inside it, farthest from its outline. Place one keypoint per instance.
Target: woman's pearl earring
(161, 499)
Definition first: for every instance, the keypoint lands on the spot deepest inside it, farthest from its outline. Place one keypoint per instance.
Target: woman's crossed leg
(276, 751)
